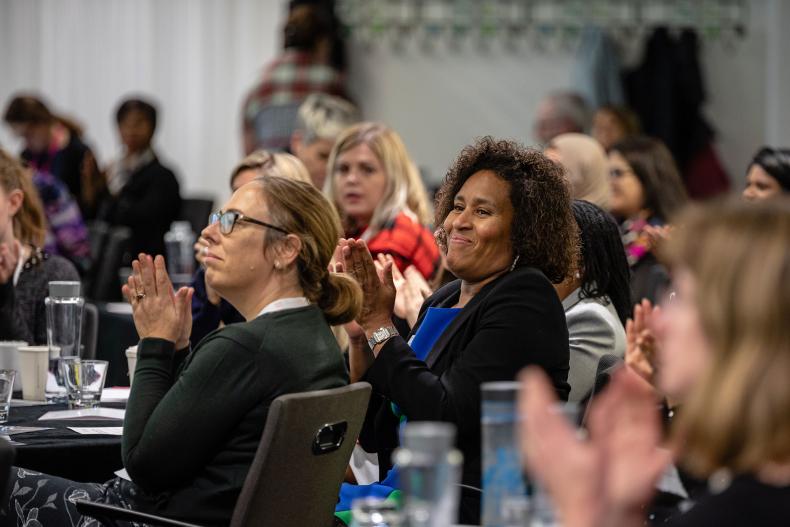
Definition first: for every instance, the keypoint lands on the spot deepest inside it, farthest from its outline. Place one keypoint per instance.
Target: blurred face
(548, 124)
(607, 129)
(360, 183)
(136, 131)
(35, 135)
(478, 228)
(627, 198)
(242, 178)
(237, 264)
(9, 205)
(760, 185)
(684, 350)
(314, 156)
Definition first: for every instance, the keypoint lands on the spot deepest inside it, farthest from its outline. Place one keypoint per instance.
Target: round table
(63, 452)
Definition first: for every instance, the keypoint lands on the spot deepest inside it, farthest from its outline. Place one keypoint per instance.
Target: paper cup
(9, 359)
(33, 368)
(131, 359)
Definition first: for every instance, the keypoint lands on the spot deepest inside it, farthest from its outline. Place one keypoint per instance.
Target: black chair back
(196, 212)
(90, 330)
(106, 284)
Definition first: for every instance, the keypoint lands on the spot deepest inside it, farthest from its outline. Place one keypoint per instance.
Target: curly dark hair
(544, 233)
(603, 263)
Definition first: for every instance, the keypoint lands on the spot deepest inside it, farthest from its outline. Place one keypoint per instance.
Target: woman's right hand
(641, 346)
(9, 258)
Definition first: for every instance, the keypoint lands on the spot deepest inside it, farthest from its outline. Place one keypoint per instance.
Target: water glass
(6, 389)
(505, 499)
(430, 473)
(84, 380)
(64, 324)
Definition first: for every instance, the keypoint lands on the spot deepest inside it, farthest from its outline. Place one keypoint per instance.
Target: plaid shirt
(270, 110)
(409, 243)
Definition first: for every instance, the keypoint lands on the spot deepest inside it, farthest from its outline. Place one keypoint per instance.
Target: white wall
(198, 58)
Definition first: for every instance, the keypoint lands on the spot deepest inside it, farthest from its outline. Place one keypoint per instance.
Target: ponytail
(340, 298)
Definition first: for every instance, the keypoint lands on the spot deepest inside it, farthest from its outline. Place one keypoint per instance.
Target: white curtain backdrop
(195, 58)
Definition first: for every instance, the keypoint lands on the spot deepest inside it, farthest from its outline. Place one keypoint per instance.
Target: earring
(277, 265)
(515, 261)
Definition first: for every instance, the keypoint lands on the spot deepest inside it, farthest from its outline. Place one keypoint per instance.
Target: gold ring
(140, 296)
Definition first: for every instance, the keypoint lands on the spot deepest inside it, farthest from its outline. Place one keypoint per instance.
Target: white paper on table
(123, 474)
(115, 395)
(98, 430)
(11, 430)
(85, 413)
(24, 402)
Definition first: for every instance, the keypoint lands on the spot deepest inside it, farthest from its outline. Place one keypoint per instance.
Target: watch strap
(382, 334)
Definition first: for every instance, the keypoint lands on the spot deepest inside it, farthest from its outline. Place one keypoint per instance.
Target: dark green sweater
(193, 422)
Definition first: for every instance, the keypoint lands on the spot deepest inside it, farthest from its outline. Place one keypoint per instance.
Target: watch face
(380, 334)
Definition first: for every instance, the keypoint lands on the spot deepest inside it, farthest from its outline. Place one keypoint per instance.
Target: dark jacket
(147, 204)
(514, 321)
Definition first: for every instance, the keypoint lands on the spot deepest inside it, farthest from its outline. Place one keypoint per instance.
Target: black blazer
(514, 321)
(147, 204)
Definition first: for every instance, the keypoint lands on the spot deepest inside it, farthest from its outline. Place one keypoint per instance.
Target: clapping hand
(641, 345)
(378, 288)
(411, 289)
(158, 311)
(9, 258)
(604, 480)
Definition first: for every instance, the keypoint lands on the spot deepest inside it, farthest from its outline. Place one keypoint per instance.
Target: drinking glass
(84, 380)
(6, 389)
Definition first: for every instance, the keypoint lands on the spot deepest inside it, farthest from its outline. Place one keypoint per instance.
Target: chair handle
(329, 437)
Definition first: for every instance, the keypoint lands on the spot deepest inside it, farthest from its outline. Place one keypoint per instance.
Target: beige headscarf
(586, 166)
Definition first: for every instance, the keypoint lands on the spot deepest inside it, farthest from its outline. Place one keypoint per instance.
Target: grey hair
(571, 106)
(323, 116)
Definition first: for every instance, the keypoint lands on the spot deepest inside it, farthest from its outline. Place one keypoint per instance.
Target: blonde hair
(324, 116)
(30, 224)
(405, 189)
(586, 167)
(267, 163)
(301, 209)
(738, 417)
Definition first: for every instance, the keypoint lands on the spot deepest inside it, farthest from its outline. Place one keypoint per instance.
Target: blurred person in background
(312, 62)
(646, 190)
(319, 122)
(25, 268)
(723, 353)
(768, 175)
(209, 310)
(586, 166)
(596, 297)
(612, 124)
(143, 194)
(558, 113)
(53, 144)
(381, 199)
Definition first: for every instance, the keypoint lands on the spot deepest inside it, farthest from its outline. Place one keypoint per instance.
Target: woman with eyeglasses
(646, 190)
(209, 310)
(195, 418)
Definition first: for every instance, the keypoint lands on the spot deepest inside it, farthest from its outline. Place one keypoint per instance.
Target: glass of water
(84, 380)
(6, 389)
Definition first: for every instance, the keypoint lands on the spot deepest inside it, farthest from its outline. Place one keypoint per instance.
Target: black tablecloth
(63, 452)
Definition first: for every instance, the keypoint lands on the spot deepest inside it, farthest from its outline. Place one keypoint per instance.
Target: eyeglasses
(227, 220)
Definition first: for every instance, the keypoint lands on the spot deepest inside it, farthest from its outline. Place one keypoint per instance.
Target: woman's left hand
(378, 289)
(158, 311)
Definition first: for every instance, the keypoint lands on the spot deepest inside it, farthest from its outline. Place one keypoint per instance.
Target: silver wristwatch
(381, 335)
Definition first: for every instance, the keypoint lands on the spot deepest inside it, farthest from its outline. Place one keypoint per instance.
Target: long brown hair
(738, 416)
(28, 109)
(301, 209)
(656, 169)
(30, 224)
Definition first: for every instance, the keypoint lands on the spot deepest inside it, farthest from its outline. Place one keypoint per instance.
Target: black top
(23, 315)
(514, 321)
(745, 501)
(147, 204)
(193, 423)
